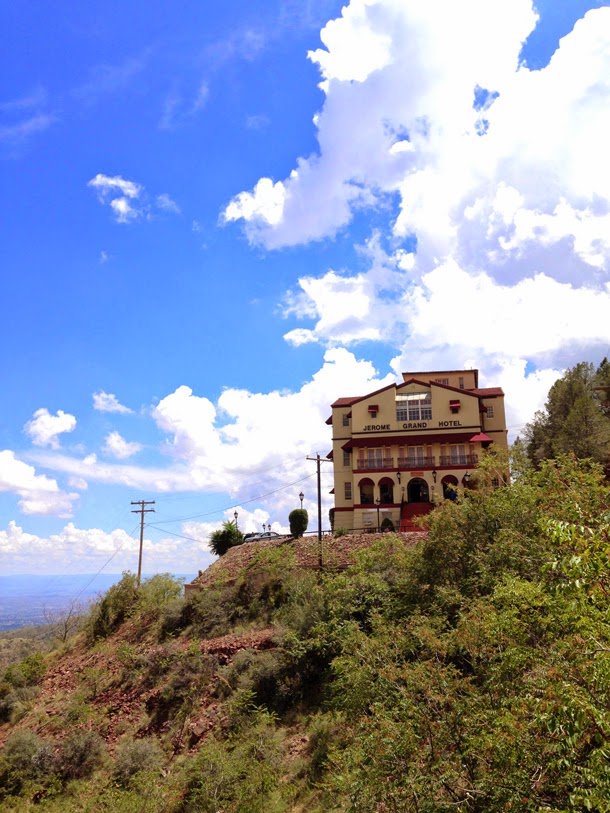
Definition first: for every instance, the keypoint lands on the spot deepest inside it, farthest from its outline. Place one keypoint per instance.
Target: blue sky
(218, 219)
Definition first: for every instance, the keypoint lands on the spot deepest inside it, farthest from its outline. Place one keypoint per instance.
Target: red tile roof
(483, 391)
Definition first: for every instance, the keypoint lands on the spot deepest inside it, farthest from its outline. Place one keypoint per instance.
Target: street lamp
(378, 502)
(236, 515)
(264, 527)
(434, 475)
(467, 477)
(301, 496)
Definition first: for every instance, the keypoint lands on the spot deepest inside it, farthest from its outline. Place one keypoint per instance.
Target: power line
(235, 505)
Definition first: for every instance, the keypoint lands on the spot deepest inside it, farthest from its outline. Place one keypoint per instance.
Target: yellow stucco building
(400, 448)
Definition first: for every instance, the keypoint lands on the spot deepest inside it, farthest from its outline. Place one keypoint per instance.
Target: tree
(224, 538)
(575, 418)
(298, 519)
(63, 623)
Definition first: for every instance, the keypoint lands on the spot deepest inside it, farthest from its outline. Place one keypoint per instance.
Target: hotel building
(398, 449)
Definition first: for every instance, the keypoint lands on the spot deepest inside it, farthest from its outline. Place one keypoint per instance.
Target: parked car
(260, 537)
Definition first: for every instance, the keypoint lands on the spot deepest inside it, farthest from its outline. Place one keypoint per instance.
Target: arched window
(386, 491)
(367, 491)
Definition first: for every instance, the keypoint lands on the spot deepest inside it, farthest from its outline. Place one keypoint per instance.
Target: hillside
(467, 669)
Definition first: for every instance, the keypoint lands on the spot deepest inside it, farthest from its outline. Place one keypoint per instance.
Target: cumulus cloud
(120, 448)
(37, 493)
(251, 446)
(108, 402)
(45, 428)
(92, 548)
(496, 174)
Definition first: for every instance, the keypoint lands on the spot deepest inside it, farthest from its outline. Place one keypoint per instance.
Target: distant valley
(24, 599)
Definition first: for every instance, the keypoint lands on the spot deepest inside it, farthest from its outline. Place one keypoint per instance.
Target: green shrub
(242, 775)
(80, 754)
(133, 756)
(298, 520)
(206, 612)
(158, 591)
(27, 672)
(341, 532)
(171, 618)
(25, 757)
(118, 604)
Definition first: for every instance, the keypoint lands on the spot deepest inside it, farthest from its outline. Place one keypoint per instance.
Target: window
(348, 491)
(373, 459)
(345, 419)
(461, 384)
(367, 491)
(416, 406)
(490, 410)
(441, 380)
(346, 458)
(416, 456)
(457, 454)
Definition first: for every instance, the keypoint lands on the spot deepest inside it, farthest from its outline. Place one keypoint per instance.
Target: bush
(26, 673)
(341, 532)
(25, 756)
(206, 612)
(134, 756)
(114, 608)
(299, 520)
(80, 754)
(158, 591)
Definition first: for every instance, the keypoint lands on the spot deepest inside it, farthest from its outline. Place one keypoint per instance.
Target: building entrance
(417, 490)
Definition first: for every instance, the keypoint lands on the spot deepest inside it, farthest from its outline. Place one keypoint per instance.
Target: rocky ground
(337, 553)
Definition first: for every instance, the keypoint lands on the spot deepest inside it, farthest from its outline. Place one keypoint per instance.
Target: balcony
(418, 462)
(458, 460)
(365, 463)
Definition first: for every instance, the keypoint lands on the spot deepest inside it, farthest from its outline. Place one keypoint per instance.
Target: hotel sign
(386, 427)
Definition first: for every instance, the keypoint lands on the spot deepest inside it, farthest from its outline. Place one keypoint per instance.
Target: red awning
(406, 439)
(329, 456)
(373, 408)
(332, 491)
(455, 403)
(480, 438)
(329, 421)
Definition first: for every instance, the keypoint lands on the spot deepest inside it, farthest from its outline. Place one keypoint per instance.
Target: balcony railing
(375, 463)
(458, 460)
(416, 462)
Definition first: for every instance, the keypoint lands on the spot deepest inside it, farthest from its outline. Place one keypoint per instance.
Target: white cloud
(499, 175)
(253, 446)
(90, 549)
(44, 428)
(106, 184)
(266, 203)
(118, 447)
(108, 402)
(120, 193)
(165, 202)
(37, 493)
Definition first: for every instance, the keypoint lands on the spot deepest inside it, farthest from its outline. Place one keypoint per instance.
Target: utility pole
(141, 511)
(318, 460)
